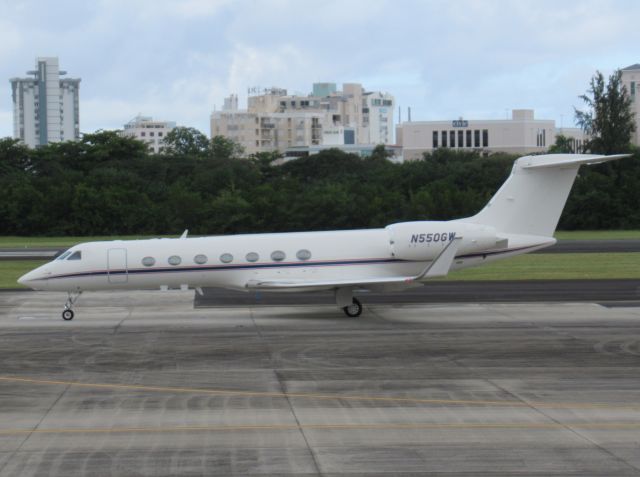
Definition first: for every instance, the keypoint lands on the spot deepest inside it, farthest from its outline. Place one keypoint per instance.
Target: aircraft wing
(437, 268)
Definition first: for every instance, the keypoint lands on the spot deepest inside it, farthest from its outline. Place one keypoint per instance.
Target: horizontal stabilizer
(563, 160)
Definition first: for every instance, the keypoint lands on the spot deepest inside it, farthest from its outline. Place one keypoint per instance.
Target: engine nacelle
(425, 240)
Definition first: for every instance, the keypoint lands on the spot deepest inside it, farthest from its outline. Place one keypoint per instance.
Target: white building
(522, 134)
(631, 79)
(377, 118)
(147, 130)
(276, 121)
(45, 107)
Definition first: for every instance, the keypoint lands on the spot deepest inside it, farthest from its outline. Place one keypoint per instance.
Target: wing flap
(321, 284)
(437, 268)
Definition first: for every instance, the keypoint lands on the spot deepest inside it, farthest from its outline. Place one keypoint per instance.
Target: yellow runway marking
(345, 427)
(336, 397)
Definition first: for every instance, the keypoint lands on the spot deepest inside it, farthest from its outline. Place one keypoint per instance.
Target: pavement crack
(35, 428)
(117, 327)
(563, 425)
(283, 390)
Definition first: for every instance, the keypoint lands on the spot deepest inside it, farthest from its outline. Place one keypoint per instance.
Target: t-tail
(531, 200)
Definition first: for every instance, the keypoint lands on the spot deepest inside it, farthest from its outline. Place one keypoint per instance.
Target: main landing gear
(353, 310)
(346, 301)
(67, 313)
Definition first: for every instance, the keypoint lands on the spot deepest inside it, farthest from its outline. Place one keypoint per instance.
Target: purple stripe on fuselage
(249, 266)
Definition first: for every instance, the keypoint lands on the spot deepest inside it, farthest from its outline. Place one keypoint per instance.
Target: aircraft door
(117, 265)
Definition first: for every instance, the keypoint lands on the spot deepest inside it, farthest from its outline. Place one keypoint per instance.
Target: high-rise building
(45, 107)
(631, 79)
(151, 132)
(277, 121)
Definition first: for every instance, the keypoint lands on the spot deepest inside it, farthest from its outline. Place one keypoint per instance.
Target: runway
(146, 384)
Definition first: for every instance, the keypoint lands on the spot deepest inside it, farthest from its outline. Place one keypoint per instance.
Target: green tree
(14, 156)
(608, 118)
(563, 144)
(380, 152)
(224, 148)
(185, 141)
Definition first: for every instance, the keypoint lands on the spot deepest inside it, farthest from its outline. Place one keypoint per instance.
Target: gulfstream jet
(521, 217)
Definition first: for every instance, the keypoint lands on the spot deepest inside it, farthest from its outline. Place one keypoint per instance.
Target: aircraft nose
(26, 279)
(33, 279)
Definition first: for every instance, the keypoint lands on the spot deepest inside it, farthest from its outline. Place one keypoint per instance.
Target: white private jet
(521, 217)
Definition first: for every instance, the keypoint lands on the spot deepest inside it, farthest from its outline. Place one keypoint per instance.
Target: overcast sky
(177, 60)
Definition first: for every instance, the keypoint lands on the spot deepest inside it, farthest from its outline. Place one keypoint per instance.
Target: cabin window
(278, 256)
(174, 260)
(226, 258)
(76, 256)
(252, 257)
(64, 255)
(148, 261)
(200, 259)
(303, 254)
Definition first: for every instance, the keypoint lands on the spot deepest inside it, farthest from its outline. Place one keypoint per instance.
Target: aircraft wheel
(353, 310)
(67, 315)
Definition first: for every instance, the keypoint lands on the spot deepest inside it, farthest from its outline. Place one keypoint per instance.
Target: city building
(631, 79)
(45, 106)
(277, 121)
(521, 134)
(147, 130)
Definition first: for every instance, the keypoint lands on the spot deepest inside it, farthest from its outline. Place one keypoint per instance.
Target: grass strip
(64, 242)
(558, 266)
(11, 270)
(598, 235)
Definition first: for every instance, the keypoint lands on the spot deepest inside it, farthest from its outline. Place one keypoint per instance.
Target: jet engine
(425, 240)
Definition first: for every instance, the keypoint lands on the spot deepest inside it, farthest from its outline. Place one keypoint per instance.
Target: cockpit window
(76, 256)
(64, 255)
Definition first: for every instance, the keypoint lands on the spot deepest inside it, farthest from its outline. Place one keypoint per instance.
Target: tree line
(105, 184)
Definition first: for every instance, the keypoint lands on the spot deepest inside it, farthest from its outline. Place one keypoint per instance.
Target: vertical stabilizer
(531, 200)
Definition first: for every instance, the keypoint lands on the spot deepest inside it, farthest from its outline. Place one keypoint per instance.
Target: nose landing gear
(67, 313)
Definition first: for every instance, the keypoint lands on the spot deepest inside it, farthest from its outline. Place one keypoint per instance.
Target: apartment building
(275, 120)
(151, 132)
(45, 107)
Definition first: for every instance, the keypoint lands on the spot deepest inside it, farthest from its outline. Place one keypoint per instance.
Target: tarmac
(144, 383)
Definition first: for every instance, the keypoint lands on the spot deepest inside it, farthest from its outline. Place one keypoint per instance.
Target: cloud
(177, 59)
(284, 66)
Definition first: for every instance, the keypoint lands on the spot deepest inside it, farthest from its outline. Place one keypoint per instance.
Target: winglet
(441, 265)
(184, 234)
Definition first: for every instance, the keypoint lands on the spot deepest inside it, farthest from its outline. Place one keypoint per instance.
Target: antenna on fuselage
(184, 234)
